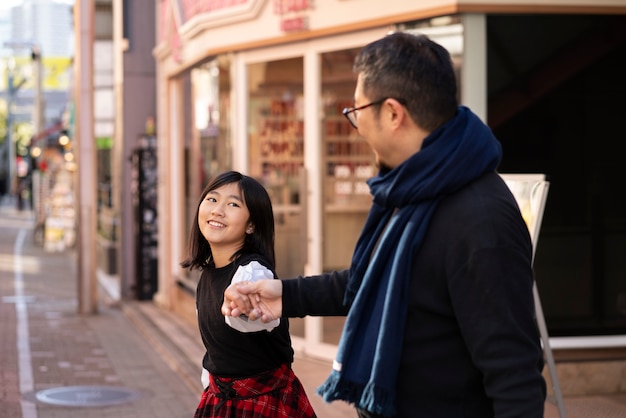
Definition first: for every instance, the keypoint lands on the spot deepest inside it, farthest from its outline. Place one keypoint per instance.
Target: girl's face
(223, 218)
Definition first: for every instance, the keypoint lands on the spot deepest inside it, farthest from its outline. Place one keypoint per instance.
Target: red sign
(295, 24)
(282, 7)
(291, 13)
(195, 7)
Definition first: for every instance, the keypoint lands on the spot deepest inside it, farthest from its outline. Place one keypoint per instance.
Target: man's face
(369, 124)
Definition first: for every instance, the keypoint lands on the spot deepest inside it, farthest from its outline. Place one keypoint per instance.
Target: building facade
(258, 86)
(36, 41)
(46, 27)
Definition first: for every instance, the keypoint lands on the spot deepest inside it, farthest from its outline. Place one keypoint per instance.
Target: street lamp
(38, 120)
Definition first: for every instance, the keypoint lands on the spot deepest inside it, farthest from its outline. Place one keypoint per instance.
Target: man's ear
(395, 112)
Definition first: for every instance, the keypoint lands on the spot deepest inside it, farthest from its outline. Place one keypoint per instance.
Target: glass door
(276, 155)
(348, 162)
(207, 136)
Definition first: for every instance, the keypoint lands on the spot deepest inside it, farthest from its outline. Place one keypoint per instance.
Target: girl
(249, 371)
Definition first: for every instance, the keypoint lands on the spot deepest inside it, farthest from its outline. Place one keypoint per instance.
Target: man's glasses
(351, 113)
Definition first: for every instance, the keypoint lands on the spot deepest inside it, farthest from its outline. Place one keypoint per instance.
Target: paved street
(130, 361)
(133, 361)
(47, 346)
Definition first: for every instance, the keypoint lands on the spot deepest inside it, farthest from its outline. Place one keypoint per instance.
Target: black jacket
(471, 346)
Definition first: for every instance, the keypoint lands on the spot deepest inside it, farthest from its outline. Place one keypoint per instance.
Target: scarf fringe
(371, 398)
(331, 389)
(377, 400)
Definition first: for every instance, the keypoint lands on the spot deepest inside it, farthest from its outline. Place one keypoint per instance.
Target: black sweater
(471, 346)
(231, 353)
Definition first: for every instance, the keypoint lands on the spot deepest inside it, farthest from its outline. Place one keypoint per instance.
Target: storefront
(272, 109)
(258, 86)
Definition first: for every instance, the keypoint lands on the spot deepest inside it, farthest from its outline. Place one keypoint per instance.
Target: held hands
(260, 299)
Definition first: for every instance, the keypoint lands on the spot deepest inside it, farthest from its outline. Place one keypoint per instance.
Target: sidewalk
(55, 363)
(132, 361)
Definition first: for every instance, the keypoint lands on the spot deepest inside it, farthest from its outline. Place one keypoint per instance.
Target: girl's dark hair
(259, 205)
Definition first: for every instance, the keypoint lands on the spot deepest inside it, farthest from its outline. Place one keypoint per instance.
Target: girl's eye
(211, 199)
(234, 204)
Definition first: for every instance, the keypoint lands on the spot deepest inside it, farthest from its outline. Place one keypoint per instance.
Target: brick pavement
(59, 348)
(150, 355)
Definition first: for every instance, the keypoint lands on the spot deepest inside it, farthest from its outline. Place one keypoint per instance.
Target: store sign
(291, 12)
(195, 7)
(182, 19)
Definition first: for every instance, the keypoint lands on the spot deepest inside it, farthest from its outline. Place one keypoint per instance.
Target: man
(439, 304)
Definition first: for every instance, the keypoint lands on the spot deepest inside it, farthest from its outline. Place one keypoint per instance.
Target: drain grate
(87, 395)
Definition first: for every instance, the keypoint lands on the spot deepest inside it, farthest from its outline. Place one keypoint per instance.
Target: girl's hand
(260, 299)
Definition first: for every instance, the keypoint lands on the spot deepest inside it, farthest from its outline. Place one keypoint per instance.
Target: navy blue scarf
(366, 367)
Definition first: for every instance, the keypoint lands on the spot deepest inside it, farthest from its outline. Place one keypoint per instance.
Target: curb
(169, 337)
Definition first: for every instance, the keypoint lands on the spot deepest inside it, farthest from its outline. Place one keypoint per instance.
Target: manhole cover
(87, 395)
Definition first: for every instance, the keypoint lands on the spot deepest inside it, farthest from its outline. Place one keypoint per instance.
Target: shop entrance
(276, 149)
(310, 159)
(335, 158)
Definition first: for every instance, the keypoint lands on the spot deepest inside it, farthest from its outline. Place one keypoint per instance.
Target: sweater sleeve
(501, 335)
(491, 294)
(315, 295)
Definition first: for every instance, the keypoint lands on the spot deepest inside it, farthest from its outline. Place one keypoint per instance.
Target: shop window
(348, 162)
(206, 131)
(569, 126)
(276, 149)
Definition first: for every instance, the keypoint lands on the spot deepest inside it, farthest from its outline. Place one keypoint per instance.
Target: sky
(7, 4)
(5, 7)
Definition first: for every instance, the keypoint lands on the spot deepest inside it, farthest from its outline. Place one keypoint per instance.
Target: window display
(348, 161)
(276, 149)
(207, 132)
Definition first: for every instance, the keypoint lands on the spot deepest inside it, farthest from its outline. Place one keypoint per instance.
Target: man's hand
(260, 299)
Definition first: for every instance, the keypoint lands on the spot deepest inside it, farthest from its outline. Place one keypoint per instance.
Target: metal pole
(10, 144)
(38, 120)
(9, 128)
(39, 125)
(12, 89)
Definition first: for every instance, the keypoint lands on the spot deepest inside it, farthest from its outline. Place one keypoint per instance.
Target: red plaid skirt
(274, 394)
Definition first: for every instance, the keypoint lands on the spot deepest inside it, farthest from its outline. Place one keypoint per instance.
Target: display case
(277, 147)
(276, 138)
(348, 162)
(60, 219)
